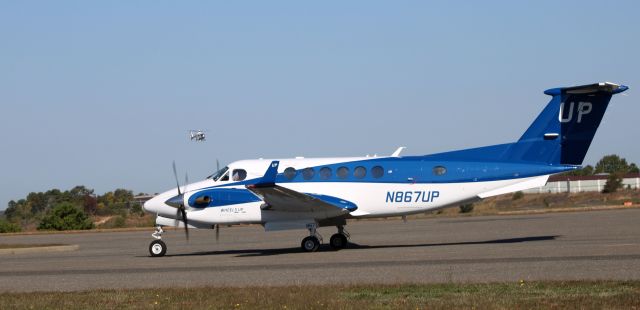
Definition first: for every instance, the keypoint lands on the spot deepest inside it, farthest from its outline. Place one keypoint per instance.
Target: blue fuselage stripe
(406, 170)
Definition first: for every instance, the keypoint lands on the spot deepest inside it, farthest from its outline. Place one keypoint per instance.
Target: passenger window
(360, 172)
(343, 172)
(239, 174)
(439, 170)
(325, 173)
(290, 173)
(308, 173)
(377, 172)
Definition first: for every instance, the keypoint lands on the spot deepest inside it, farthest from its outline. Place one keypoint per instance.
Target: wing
(279, 198)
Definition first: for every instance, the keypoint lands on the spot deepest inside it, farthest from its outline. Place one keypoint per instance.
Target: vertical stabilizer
(562, 133)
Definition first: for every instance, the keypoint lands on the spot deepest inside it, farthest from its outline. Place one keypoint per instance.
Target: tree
(466, 208)
(612, 164)
(19, 212)
(65, 216)
(8, 227)
(115, 202)
(517, 195)
(614, 182)
(90, 204)
(586, 170)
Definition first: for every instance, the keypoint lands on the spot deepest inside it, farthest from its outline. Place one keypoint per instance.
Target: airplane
(308, 193)
(197, 135)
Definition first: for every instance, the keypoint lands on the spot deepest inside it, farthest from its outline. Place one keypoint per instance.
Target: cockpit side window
(216, 176)
(225, 177)
(239, 174)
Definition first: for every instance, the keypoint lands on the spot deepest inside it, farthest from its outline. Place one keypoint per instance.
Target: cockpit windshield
(220, 173)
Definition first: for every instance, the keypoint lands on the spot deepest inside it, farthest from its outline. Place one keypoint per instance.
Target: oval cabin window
(325, 173)
(343, 172)
(290, 173)
(308, 173)
(377, 172)
(439, 170)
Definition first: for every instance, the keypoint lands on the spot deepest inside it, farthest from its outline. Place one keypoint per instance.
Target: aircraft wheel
(310, 244)
(157, 248)
(338, 241)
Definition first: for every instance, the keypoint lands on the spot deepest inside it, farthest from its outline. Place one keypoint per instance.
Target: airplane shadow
(355, 246)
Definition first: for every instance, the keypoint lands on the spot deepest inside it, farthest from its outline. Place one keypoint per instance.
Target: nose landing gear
(157, 248)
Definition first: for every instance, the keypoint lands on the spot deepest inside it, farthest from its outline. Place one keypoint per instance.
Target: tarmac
(596, 245)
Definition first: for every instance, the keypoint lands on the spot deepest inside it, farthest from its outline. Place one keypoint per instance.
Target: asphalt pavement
(553, 246)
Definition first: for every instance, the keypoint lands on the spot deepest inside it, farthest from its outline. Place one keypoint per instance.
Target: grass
(521, 295)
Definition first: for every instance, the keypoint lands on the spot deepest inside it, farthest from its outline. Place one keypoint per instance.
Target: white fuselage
(374, 199)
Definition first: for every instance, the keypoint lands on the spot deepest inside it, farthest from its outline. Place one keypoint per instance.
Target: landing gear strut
(339, 241)
(157, 248)
(312, 242)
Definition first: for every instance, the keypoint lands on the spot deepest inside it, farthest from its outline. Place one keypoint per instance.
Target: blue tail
(564, 130)
(560, 135)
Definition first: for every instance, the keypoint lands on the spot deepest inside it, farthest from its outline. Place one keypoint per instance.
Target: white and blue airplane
(307, 193)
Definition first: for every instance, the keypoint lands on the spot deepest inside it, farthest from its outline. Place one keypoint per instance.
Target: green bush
(614, 182)
(517, 195)
(8, 227)
(137, 209)
(466, 208)
(65, 216)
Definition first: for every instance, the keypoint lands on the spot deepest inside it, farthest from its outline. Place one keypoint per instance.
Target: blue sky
(102, 93)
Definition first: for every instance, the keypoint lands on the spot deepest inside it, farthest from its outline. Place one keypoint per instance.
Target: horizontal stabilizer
(520, 186)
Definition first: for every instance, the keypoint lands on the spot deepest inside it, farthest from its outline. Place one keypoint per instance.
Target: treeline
(610, 164)
(613, 165)
(71, 209)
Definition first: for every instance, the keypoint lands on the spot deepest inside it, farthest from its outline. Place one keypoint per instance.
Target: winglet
(269, 178)
(398, 151)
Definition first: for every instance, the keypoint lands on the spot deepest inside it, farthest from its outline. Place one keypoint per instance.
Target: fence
(574, 184)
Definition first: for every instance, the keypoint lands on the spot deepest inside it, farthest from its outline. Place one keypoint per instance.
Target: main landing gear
(157, 247)
(339, 241)
(313, 241)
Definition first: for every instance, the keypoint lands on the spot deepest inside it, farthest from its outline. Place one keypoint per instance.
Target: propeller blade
(181, 212)
(217, 232)
(175, 174)
(184, 219)
(186, 182)
(217, 165)
(175, 223)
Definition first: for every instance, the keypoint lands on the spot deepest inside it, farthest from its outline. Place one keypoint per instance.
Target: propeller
(217, 225)
(181, 212)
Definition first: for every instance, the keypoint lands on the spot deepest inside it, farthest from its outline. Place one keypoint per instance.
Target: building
(587, 183)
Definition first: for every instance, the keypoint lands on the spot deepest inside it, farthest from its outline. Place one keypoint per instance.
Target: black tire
(338, 241)
(157, 248)
(310, 244)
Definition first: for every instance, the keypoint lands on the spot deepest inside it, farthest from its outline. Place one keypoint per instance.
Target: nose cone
(175, 201)
(158, 205)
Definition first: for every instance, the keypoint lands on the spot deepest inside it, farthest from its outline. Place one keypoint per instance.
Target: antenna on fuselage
(398, 151)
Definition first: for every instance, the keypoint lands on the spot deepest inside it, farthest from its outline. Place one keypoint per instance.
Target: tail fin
(564, 130)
